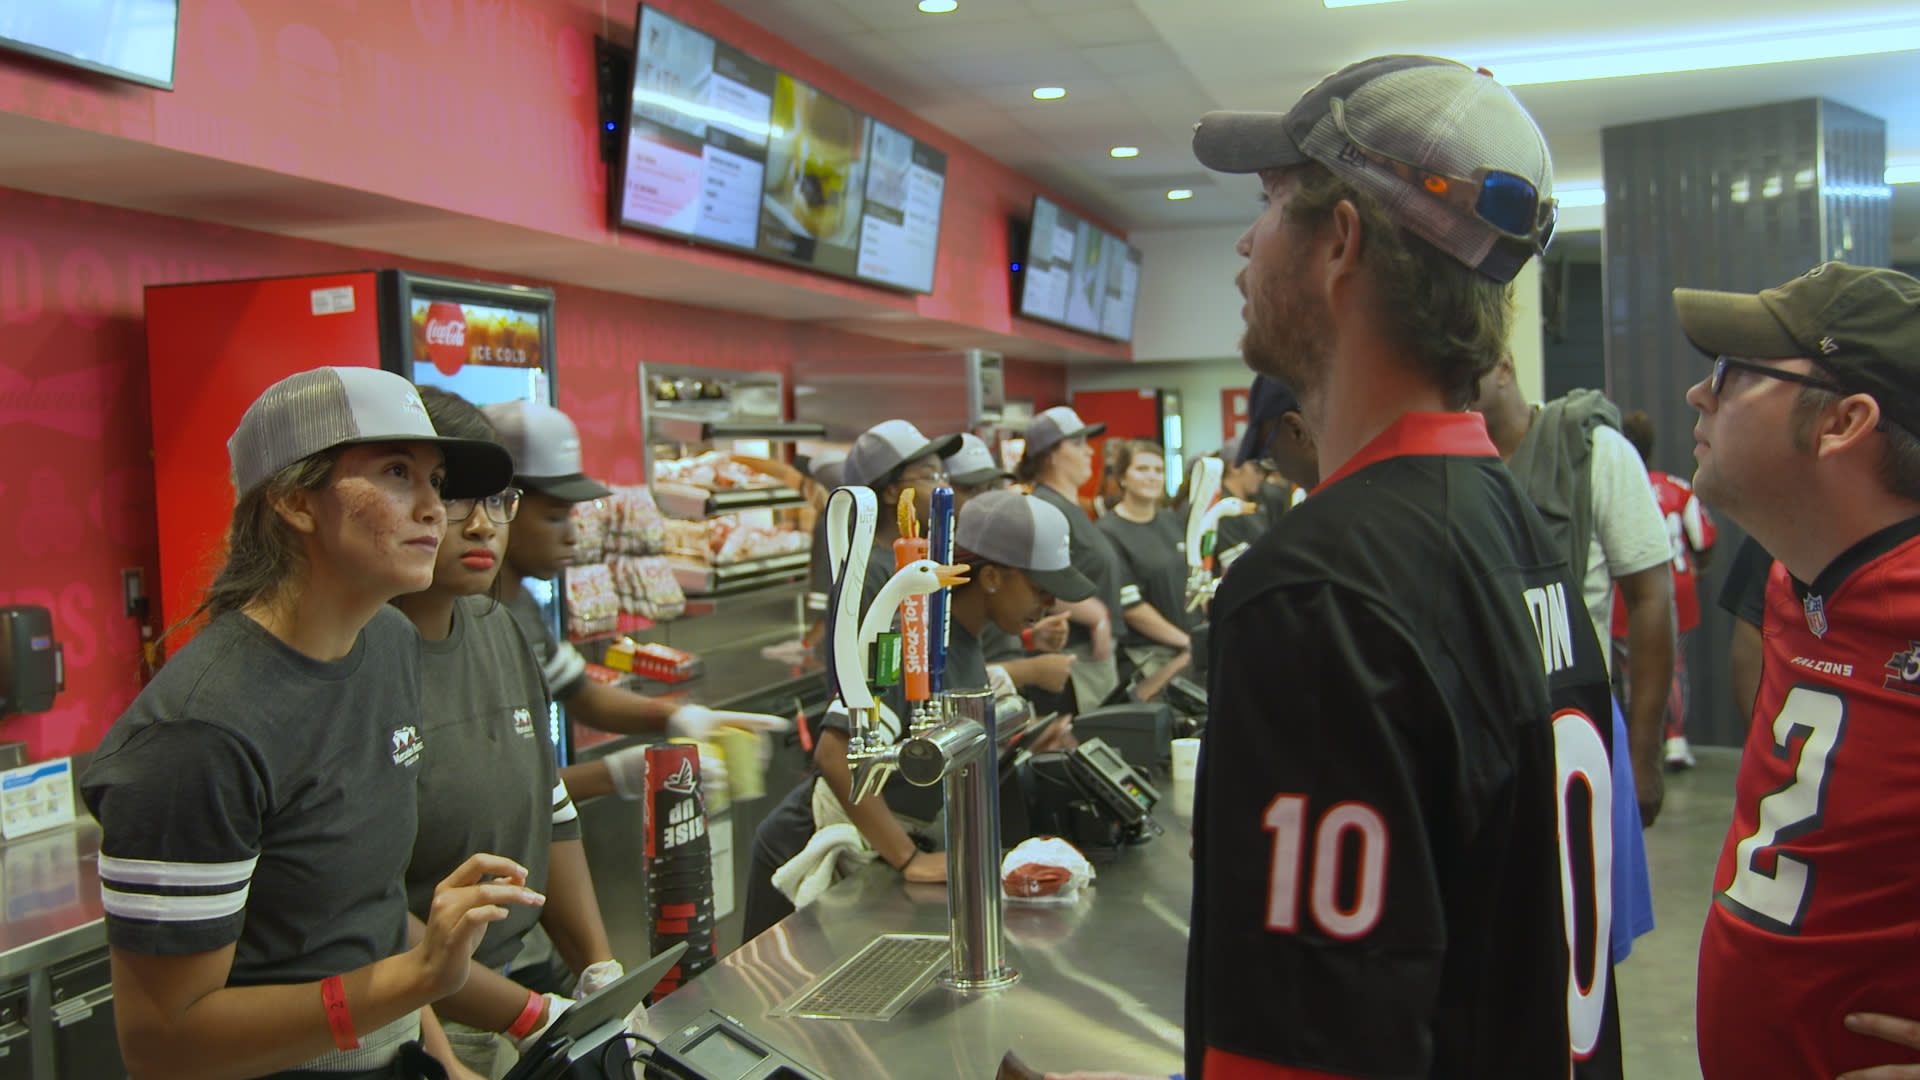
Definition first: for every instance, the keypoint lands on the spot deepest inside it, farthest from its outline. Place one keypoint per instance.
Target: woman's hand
(463, 904)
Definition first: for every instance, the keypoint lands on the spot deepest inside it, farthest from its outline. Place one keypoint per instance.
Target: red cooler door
(211, 349)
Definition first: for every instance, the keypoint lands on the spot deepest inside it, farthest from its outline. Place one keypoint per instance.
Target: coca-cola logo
(446, 337)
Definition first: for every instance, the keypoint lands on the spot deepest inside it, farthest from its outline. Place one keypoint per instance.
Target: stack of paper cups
(1186, 765)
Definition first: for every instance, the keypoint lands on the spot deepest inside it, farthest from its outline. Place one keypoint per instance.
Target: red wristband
(529, 1016)
(1026, 638)
(333, 995)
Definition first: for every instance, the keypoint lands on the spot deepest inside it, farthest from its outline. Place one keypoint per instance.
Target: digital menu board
(1077, 274)
(1123, 290)
(900, 230)
(1049, 270)
(815, 180)
(697, 143)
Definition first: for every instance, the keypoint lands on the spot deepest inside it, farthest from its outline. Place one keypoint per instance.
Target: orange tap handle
(913, 619)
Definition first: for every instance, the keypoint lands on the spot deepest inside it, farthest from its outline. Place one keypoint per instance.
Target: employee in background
(1019, 561)
(1056, 463)
(490, 782)
(547, 470)
(1032, 659)
(1152, 545)
(257, 799)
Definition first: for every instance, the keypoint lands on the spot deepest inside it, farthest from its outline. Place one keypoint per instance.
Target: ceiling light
(1908, 173)
(1774, 45)
(1180, 193)
(1124, 151)
(1568, 198)
(1049, 93)
(1356, 3)
(938, 7)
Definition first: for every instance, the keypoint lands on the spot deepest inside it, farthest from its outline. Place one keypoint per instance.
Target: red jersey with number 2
(1816, 904)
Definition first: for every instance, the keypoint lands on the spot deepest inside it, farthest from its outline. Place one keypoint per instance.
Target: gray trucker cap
(546, 450)
(973, 464)
(316, 410)
(885, 447)
(1055, 426)
(1012, 529)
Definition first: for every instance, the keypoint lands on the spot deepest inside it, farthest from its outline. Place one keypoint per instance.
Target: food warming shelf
(700, 579)
(693, 429)
(690, 503)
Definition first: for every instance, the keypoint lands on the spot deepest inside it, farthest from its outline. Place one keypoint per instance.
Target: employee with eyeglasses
(491, 778)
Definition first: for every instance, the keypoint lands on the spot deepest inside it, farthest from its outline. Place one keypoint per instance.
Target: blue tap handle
(940, 605)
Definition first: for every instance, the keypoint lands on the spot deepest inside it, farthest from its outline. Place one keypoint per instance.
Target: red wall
(75, 476)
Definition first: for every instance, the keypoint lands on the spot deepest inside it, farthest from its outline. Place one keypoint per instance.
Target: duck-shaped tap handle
(852, 514)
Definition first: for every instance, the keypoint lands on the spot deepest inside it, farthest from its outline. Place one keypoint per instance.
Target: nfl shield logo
(1816, 616)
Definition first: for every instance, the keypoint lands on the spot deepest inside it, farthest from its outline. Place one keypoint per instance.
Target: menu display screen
(1123, 289)
(816, 178)
(129, 39)
(1078, 275)
(697, 142)
(900, 233)
(724, 148)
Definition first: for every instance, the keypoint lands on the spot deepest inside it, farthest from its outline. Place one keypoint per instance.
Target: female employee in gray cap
(1056, 462)
(256, 801)
(1018, 556)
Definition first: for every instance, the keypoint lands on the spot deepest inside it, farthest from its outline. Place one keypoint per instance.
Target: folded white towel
(833, 852)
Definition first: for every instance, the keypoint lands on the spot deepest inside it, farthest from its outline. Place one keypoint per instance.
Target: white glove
(555, 1006)
(628, 769)
(713, 775)
(698, 721)
(596, 978)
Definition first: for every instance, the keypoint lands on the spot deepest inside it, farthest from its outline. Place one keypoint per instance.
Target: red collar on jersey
(1457, 434)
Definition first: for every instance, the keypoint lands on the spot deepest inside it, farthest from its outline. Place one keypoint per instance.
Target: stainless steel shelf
(693, 429)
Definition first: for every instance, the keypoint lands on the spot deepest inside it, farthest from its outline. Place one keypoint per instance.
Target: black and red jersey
(1817, 888)
(1408, 754)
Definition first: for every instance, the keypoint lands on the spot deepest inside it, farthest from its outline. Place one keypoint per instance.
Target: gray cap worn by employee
(1268, 400)
(316, 410)
(885, 447)
(546, 450)
(1055, 426)
(1437, 115)
(826, 468)
(1858, 324)
(1017, 530)
(972, 464)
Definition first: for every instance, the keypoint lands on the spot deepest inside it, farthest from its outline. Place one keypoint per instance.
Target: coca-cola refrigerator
(212, 347)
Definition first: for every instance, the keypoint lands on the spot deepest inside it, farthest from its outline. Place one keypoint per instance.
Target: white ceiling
(1140, 72)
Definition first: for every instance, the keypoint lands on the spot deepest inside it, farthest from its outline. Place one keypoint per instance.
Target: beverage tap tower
(949, 737)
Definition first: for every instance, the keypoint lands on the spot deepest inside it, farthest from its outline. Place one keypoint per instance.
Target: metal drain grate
(874, 983)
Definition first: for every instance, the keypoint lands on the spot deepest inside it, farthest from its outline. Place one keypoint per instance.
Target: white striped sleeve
(563, 670)
(566, 816)
(149, 890)
(1130, 596)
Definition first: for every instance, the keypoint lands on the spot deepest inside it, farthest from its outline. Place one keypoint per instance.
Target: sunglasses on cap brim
(1506, 202)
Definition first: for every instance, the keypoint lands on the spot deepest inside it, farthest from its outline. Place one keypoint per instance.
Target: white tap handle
(917, 578)
(848, 550)
(1206, 484)
(1210, 522)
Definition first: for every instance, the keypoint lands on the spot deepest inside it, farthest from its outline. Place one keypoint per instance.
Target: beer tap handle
(852, 513)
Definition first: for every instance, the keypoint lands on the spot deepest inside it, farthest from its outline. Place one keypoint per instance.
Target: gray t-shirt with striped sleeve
(253, 796)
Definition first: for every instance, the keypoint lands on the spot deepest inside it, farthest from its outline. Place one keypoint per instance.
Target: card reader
(715, 1046)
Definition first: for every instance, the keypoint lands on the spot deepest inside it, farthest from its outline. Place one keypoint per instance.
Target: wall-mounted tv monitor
(1077, 275)
(724, 148)
(900, 230)
(816, 180)
(697, 136)
(128, 39)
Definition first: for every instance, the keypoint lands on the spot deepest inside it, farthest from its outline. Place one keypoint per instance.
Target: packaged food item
(592, 520)
(1044, 870)
(593, 605)
(653, 660)
(637, 526)
(646, 586)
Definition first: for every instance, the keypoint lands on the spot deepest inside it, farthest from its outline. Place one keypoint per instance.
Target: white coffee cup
(1186, 759)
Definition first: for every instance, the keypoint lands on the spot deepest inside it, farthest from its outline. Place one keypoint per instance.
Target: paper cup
(741, 749)
(1186, 759)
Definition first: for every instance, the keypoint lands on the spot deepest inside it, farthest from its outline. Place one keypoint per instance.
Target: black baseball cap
(1859, 324)
(1268, 399)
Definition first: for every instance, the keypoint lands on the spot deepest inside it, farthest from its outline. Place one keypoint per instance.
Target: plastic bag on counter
(1044, 870)
(593, 605)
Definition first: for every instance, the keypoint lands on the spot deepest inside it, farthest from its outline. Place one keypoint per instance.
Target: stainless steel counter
(50, 889)
(1101, 983)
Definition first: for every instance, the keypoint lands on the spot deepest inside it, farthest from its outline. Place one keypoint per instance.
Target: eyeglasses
(1508, 202)
(501, 507)
(1724, 364)
(936, 477)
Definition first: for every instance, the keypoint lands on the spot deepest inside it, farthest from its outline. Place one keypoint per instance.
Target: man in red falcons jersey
(1690, 534)
(1806, 439)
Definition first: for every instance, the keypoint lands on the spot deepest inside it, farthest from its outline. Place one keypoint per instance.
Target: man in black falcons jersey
(1402, 765)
